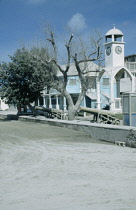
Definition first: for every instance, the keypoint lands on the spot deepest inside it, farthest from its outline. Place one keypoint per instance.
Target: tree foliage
(25, 77)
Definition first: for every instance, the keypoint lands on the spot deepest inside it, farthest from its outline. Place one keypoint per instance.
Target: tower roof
(114, 31)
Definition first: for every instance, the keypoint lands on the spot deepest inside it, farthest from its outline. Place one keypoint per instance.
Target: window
(125, 104)
(105, 81)
(72, 82)
(41, 101)
(132, 59)
(132, 67)
(133, 104)
(53, 100)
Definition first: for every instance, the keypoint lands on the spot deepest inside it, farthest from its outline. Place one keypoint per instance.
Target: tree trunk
(32, 108)
(71, 107)
(71, 113)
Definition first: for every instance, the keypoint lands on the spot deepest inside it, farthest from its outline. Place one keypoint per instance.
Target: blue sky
(20, 20)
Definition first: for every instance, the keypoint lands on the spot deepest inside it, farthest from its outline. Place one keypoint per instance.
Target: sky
(21, 20)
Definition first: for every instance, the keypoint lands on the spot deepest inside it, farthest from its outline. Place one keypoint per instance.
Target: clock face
(118, 49)
(108, 50)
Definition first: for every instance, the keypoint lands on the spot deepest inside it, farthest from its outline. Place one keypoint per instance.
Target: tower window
(108, 39)
(117, 38)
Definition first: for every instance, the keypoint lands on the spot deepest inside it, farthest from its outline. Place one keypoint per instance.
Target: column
(84, 106)
(57, 102)
(44, 101)
(118, 88)
(133, 84)
(112, 104)
(38, 102)
(64, 101)
(50, 105)
(98, 92)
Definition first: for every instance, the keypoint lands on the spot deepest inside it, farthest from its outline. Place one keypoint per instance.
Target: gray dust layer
(50, 168)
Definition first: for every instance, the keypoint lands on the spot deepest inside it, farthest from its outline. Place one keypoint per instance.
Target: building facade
(54, 99)
(107, 84)
(130, 63)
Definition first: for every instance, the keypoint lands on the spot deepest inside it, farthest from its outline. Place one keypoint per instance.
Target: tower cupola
(114, 49)
(114, 35)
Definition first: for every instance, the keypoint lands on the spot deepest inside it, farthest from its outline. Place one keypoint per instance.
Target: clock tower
(114, 49)
(111, 80)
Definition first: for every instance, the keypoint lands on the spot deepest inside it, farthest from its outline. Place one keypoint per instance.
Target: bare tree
(80, 59)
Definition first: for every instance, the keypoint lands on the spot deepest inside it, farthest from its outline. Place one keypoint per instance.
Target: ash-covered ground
(50, 168)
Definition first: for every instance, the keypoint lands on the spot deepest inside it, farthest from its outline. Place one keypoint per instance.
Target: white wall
(3, 106)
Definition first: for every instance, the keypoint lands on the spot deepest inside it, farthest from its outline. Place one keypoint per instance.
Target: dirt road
(50, 168)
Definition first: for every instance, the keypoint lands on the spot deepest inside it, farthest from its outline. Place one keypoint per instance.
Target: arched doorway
(121, 81)
(124, 75)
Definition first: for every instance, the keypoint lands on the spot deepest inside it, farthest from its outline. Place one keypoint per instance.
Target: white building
(109, 83)
(3, 105)
(119, 77)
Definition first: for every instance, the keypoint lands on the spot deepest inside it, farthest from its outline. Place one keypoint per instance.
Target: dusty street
(50, 168)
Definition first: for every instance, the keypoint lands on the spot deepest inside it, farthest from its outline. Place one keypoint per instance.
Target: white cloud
(77, 22)
(36, 1)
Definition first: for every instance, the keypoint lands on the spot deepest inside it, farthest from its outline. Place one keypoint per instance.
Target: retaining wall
(103, 132)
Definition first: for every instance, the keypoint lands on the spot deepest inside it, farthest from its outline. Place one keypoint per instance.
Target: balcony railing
(131, 66)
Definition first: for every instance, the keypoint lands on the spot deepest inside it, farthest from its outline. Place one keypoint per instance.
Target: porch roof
(91, 96)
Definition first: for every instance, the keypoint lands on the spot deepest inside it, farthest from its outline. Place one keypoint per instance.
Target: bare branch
(88, 60)
(52, 40)
(68, 51)
(52, 60)
(92, 54)
(59, 67)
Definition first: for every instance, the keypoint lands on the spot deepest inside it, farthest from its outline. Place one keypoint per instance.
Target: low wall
(8, 117)
(103, 132)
